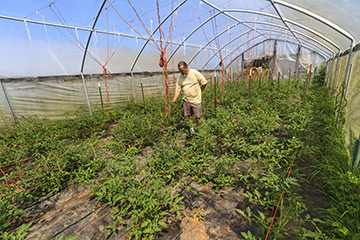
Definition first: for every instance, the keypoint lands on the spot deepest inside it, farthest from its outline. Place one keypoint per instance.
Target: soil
(207, 215)
(69, 212)
(310, 188)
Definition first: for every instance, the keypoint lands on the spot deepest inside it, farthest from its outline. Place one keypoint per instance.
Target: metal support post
(328, 75)
(342, 98)
(242, 66)
(133, 85)
(142, 91)
(87, 94)
(297, 63)
(8, 102)
(346, 80)
(356, 155)
(336, 71)
(274, 59)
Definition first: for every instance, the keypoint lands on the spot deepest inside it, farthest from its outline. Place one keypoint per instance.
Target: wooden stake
(278, 78)
(289, 74)
(101, 100)
(306, 83)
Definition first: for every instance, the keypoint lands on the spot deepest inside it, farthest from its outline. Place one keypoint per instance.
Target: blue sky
(35, 50)
(31, 49)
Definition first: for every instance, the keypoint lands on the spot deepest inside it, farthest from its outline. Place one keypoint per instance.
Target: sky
(34, 49)
(29, 49)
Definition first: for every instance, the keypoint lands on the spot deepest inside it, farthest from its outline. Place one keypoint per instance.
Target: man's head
(183, 68)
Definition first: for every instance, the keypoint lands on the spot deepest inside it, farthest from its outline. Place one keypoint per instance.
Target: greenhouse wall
(57, 97)
(352, 103)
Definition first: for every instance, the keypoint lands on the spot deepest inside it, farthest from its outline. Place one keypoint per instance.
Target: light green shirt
(190, 86)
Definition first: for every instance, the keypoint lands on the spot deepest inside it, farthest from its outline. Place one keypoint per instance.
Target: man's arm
(202, 81)
(203, 87)
(176, 95)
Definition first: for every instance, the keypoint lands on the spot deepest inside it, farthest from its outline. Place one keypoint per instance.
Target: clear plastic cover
(46, 42)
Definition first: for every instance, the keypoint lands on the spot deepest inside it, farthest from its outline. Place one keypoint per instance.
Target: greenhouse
(180, 119)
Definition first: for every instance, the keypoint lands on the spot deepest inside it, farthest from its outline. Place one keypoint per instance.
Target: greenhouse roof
(66, 37)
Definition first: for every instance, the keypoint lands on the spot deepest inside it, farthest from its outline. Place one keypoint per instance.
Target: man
(191, 83)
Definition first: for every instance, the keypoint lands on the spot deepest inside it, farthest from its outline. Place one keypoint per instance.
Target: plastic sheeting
(285, 61)
(33, 48)
(5, 113)
(48, 38)
(57, 97)
(352, 113)
(54, 96)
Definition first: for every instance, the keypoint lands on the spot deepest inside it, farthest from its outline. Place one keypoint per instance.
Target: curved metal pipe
(90, 34)
(232, 51)
(157, 28)
(84, 57)
(297, 32)
(232, 17)
(317, 17)
(315, 50)
(219, 12)
(300, 26)
(277, 40)
(278, 31)
(198, 52)
(190, 34)
(277, 11)
(288, 21)
(337, 29)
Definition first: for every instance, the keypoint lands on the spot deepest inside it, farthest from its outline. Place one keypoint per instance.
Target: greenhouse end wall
(352, 103)
(58, 97)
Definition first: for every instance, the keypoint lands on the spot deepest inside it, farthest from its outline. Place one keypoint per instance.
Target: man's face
(182, 70)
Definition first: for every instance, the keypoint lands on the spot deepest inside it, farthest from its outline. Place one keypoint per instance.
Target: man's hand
(176, 95)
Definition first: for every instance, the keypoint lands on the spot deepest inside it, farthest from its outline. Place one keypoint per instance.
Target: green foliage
(251, 145)
(319, 77)
(20, 233)
(42, 157)
(271, 138)
(61, 237)
(341, 216)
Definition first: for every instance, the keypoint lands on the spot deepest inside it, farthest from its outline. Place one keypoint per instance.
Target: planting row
(140, 160)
